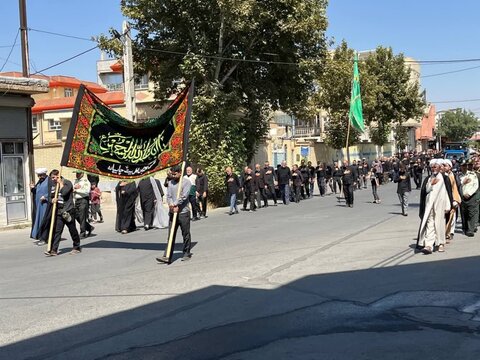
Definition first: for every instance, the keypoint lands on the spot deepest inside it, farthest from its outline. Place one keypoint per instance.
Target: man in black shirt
(233, 185)
(64, 215)
(201, 184)
(284, 176)
(311, 178)
(260, 186)
(321, 174)
(306, 187)
(348, 182)
(270, 178)
(248, 189)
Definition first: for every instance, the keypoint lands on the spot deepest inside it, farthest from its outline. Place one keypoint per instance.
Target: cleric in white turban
(41, 171)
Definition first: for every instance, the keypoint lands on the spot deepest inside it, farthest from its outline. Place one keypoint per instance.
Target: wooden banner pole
(169, 250)
(347, 145)
(54, 213)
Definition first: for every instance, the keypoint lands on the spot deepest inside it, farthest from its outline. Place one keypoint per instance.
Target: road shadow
(111, 244)
(317, 314)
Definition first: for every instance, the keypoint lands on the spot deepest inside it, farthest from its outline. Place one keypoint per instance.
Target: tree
(401, 136)
(392, 96)
(458, 125)
(248, 57)
(335, 84)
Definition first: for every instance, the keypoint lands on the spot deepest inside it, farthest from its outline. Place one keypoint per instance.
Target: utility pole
(22, 7)
(129, 81)
(24, 38)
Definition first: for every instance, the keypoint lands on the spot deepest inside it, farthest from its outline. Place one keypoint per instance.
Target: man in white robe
(434, 203)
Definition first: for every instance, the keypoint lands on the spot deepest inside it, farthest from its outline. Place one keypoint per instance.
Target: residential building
(425, 134)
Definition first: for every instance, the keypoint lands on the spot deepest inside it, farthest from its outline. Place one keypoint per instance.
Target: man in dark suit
(65, 214)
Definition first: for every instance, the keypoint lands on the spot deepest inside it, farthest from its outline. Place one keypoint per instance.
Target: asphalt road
(314, 280)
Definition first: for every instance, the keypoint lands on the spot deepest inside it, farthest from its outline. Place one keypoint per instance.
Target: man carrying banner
(64, 214)
(180, 205)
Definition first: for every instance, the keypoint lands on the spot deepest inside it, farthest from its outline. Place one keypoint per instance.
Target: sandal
(441, 248)
(427, 250)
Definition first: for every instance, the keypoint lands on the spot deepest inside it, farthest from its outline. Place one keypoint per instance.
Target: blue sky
(422, 29)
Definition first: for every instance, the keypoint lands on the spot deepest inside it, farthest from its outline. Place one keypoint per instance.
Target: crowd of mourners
(449, 189)
(449, 193)
(137, 202)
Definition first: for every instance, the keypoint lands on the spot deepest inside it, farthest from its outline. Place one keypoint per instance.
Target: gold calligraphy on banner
(131, 149)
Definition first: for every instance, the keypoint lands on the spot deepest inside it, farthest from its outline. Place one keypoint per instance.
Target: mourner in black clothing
(261, 192)
(269, 178)
(64, 215)
(148, 200)
(337, 179)
(329, 177)
(297, 180)
(306, 187)
(311, 178)
(354, 169)
(248, 189)
(348, 181)
(284, 176)
(417, 173)
(126, 195)
(321, 178)
(201, 184)
(404, 188)
(232, 182)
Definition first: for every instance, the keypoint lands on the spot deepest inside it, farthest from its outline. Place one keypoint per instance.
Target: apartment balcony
(307, 132)
(114, 87)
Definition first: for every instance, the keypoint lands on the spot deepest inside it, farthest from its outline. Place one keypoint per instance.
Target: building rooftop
(42, 105)
(22, 85)
(60, 80)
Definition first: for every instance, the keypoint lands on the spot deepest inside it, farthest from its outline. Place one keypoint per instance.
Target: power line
(453, 101)
(450, 72)
(72, 57)
(11, 50)
(7, 46)
(66, 60)
(216, 57)
(11, 62)
(59, 34)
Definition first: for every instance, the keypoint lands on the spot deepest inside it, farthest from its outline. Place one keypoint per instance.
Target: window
(54, 125)
(68, 92)
(11, 148)
(141, 83)
(35, 123)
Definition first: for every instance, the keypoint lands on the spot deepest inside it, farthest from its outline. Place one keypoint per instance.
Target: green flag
(356, 115)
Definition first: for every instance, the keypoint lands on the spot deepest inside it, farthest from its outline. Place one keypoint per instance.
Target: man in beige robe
(434, 203)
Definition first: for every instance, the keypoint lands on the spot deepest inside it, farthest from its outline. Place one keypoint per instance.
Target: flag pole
(54, 213)
(347, 145)
(169, 250)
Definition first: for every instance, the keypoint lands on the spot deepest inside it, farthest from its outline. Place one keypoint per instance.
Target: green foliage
(401, 136)
(335, 86)
(458, 125)
(392, 94)
(205, 40)
(389, 95)
(379, 133)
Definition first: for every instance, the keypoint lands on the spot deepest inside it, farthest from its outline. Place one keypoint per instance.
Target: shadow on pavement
(110, 244)
(424, 310)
